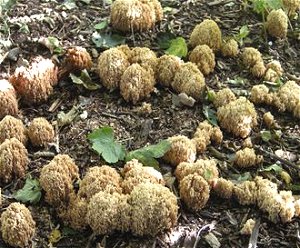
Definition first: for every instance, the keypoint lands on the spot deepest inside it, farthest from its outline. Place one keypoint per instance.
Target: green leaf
(274, 167)
(241, 177)
(208, 174)
(85, 80)
(107, 40)
(69, 4)
(6, 4)
(178, 47)
(103, 142)
(274, 4)
(31, 192)
(54, 45)
(164, 39)
(147, 155)
(101, 25)
(259, 6)
(265, 135)
(210, 115)
(210, 95)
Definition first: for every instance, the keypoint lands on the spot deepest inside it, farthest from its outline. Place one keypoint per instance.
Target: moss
(246, 157)
(167, 66)
(40, 132)
(238, 117)
(153, 209)
(134, 173)
(206, 33)
(204, 57)
(13, 160)
(277, 23)
(17, 225)
(182, 150)
(229, 48)
(111, 65)
(223, 97)
(194, 191)
(35, 83)
(11, 127)
(100, 178)
(8, 99)
(189, 79)
(136, 83)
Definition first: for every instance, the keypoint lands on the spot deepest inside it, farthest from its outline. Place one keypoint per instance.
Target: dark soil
(136, 129)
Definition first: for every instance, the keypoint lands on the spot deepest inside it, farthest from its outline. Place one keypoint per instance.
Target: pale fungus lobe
(35, 83)
(17, 225)
(107, 213)
(291, 6)
(238, 117)
(223, 188)
(204, 57)
(250, 56)
(194, 191)
(245, 192)
(248, 227)
(11, 127)
(13, 160)
(145, 57)
(137, 83)
(258, 70)
(230, 48)
(40, 132)
(202, 136)
(111, 65)
(153, 209)
(189, 79)
(56, 179)
(223, 97)
(260, 94)
(206, 33)
(78, 58)
(8, 99)
(277, 23)
(167, 66)
(100, 178)
(135, 15)
(268, 119)
(134, 173)
(247, 158)
(182, 150)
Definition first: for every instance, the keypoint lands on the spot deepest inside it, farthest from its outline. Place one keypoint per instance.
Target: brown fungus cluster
(40, 132)
(223, 97)
(252, 60)
(229, 48)
(204, 57)
(17, 225)
(246, 157)
(11, 127)
(291, 7)
(13, 160)
(277, 23)
(35, 83)
(135, 15)
(8, 99)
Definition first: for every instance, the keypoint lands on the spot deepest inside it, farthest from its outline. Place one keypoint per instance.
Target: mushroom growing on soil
(8, 99)
(13, 160)
(229, 48)
(223, 97)
(204, 57)
(11, 127)
(277, 23)
(247, 158)
(145, 57)
(17, 225)
(35, 83)
(40, 132)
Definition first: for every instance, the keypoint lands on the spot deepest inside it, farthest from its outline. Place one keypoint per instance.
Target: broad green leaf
(103, 142)
(178, 47)
(210, 95)
(31, 192)
(6, 5)
(274, 4)
(101, 25)
(164, 39)
(147, 155)
(107, 40)
(266, 135)
(85, 80)
(210, 115)
(54, 45)
(244, 32)
(274, 167)
(259, 6)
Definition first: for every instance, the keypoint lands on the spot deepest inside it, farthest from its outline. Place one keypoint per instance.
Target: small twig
(43, 154)
(293, 77)
(254, 235)
(90, 240)
(110, 115)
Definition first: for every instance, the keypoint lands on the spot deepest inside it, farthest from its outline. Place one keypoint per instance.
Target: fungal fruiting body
(111, 65)
(13, 160)
(229, 48)
(206, 33)
(11, 127)
(182, 150)
(238, 117)
(273, 71)
(223, 188)
(135, 15)
(40, 132)
(252, 60)
(248, 227)
(17, 225)
(136, 83)
(260, 94)
(223, 97)
(8, 99)
(35, 83)
(291, 6)
(268, 119)
(204, 57)
(77, 58)
(189, 79)
(145, 57)
(247, 158)
(277, 23)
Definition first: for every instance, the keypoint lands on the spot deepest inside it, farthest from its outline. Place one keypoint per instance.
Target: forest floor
(72, 23)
